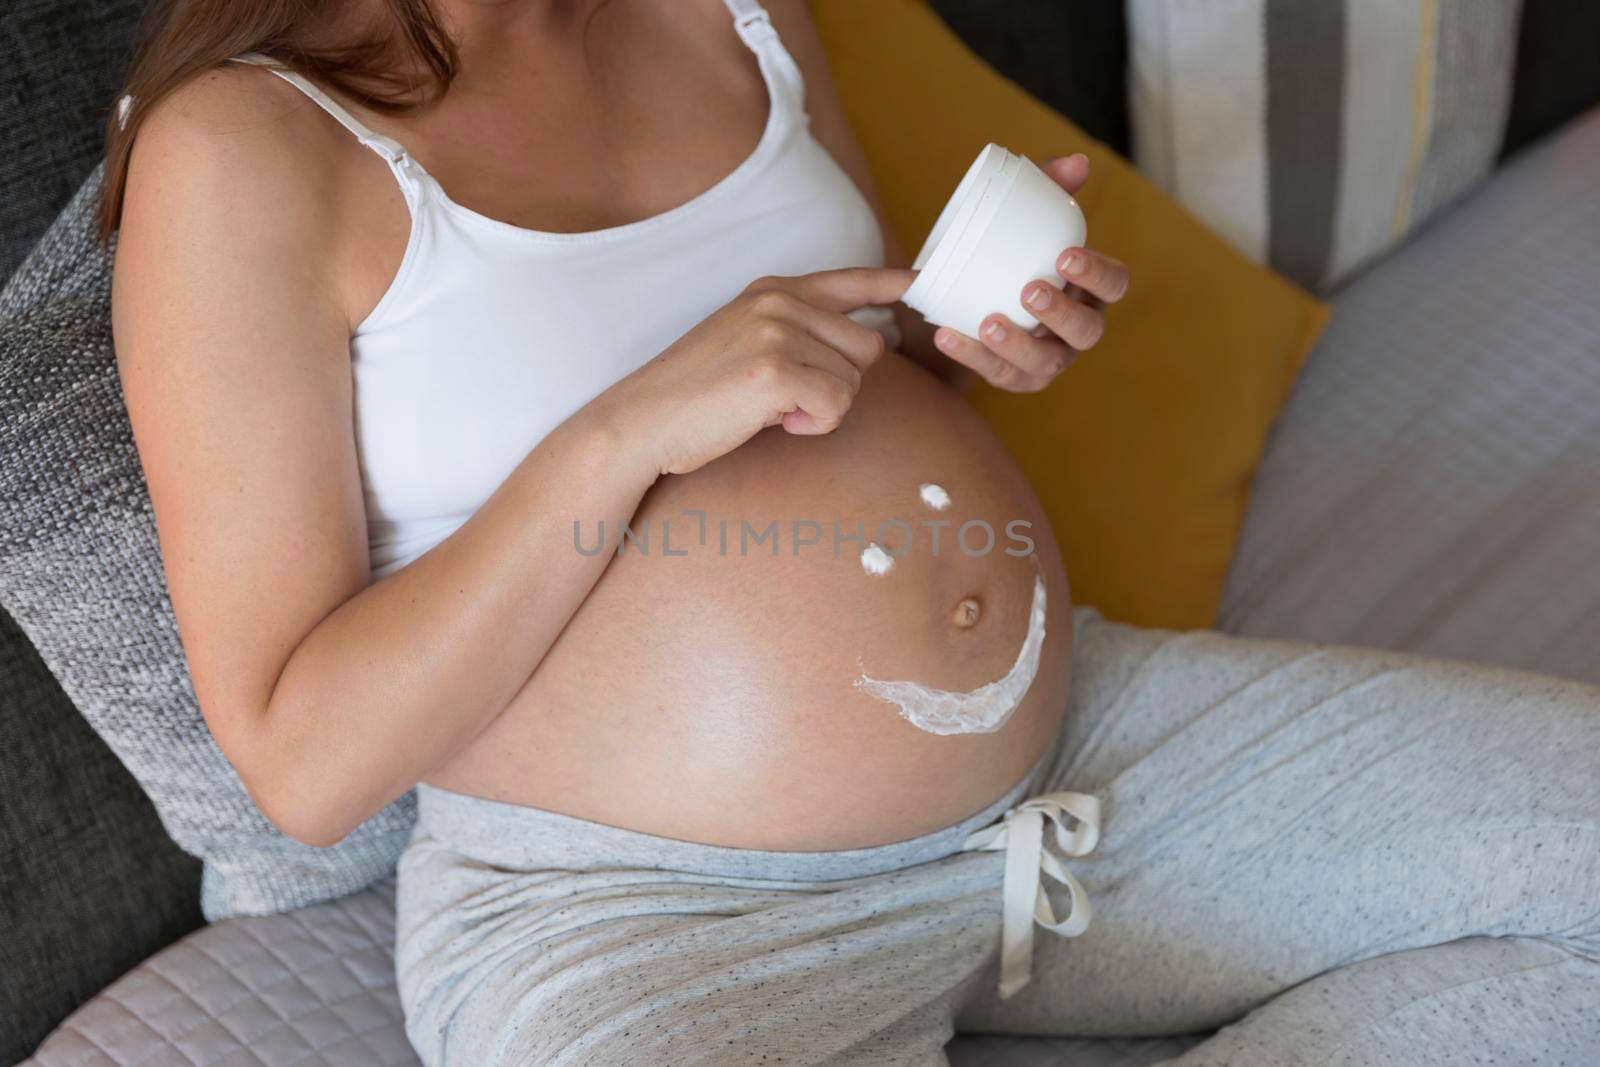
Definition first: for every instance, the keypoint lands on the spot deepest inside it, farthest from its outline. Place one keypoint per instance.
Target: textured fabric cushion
(62, 62)
(1143, 451)
(81, 573)
(1315, 135)
(90, 884)
(317, 987)
(1073, 57)
(1434, 484)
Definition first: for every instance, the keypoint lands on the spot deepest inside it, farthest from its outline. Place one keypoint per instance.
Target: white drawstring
(1021, 834)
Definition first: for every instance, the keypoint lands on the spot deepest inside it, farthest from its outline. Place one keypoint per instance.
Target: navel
(982, 710)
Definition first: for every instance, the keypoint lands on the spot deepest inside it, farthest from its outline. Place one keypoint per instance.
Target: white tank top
(490, 335)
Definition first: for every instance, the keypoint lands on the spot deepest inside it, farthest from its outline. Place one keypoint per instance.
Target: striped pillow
(1315, 135)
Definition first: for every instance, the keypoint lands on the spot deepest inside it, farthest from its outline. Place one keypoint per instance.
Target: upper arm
(234, 361)
(828, 123)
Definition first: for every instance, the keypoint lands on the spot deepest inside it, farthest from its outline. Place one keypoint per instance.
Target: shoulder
(792, 19)
(234, 113)
(234, 144)
(802, 40)
(228, 197)
(788, 12)
(798, 31)
(227, 214)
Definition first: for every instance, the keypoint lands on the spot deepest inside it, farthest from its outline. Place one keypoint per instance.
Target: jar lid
(962, 244)
(952, 221)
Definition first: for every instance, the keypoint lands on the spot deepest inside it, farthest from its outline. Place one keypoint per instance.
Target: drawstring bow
(1029, 859)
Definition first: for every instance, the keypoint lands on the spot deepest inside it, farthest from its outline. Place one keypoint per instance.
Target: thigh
(654, 967)
(1275, 809)
(1483, 1000)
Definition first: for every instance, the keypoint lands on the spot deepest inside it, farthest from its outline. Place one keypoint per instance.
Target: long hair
(407, 60)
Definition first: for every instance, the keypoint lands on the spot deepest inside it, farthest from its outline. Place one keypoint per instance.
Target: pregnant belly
(707, 688)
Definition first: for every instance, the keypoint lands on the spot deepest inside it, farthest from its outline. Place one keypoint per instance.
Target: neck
(486, 24)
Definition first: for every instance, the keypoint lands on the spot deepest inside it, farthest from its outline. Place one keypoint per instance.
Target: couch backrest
(90, 882)
(55, 94)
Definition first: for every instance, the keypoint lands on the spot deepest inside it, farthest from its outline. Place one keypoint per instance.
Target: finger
(845, 288)
(814, 401)
(785, 314)
(824, 357)
(1083, 296)
(1078, 324)
(1070, 172)
(849, 288)
(860, 344)
(1095, 273)
(991, 366)
(1042, 357)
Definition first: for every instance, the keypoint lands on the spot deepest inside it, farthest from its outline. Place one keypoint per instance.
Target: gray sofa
(1433, 484)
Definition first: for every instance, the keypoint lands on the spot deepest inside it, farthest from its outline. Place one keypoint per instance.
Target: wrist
(611, 441)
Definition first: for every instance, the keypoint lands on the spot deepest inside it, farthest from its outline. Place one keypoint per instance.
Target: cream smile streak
(980, 711)
(941, 711)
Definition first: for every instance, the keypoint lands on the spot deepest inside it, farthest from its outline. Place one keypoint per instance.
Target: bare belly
(711, 696)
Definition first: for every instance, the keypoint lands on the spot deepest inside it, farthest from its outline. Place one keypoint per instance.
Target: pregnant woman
(531, 420)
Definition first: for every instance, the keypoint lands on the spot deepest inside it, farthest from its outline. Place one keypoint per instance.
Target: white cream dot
(874, 560)
(935, 497)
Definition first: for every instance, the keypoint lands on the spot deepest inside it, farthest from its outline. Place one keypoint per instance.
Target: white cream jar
(1005, 225)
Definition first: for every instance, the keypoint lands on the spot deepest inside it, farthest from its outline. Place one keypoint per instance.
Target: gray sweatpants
(1336, 856)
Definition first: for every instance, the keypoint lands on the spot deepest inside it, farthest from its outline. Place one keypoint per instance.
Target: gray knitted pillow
(81, 573)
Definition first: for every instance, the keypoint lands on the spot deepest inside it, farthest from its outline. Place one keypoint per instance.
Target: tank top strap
(406, 170)
(755, 29)
(751, 20)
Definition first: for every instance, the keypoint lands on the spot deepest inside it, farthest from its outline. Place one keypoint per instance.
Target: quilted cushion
(314, 986)
(81, 573)
(1434, 483)
(90, 884)
(317, 987)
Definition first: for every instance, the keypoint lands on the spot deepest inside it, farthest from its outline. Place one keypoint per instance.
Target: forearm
(402, 676)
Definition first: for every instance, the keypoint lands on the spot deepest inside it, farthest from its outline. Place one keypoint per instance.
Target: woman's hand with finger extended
(782, 352)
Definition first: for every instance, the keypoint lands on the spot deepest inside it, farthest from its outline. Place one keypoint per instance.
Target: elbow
(302, 814)
(296, 795)
(307, 825)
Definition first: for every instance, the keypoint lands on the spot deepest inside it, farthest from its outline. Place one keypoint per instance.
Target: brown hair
(406, 60)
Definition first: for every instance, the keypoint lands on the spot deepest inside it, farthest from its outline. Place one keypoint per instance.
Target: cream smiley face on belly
(716, 693)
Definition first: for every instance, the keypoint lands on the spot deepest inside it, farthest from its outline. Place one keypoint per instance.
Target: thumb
(1069, 172)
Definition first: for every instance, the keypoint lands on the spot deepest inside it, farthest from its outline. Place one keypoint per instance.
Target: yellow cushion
(1143, 450)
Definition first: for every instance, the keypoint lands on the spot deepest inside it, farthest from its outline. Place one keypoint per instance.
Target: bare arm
(329, 693)
(330, 696)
